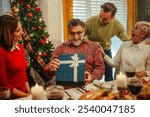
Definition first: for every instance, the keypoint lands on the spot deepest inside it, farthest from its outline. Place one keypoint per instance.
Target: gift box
(71, 70)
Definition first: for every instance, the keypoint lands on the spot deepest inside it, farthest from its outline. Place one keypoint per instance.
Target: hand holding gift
(54, 65)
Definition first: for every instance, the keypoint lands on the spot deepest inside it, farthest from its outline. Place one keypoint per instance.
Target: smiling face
(17, 35)
(105, 17)
(76, 34)
(140, 32)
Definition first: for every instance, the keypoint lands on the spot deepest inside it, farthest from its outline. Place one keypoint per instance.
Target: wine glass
(55, 92)
(135, 86)
(130, 71)
(5, 93)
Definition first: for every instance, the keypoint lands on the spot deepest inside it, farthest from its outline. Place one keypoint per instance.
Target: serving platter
(101, 85)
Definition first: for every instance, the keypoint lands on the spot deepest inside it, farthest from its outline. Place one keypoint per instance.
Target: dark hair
(8, 25)
(109, 7)
(75, 22)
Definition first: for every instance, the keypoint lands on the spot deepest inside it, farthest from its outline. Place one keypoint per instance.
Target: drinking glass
(135, 86)
(130, 71)
(5, 93)
(55, 92)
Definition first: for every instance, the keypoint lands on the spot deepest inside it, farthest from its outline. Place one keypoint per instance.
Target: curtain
(132, 14)
(67, 15)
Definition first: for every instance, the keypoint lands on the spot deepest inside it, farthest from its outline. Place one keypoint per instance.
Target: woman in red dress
(12, 58)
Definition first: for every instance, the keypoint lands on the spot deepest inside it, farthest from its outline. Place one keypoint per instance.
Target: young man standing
(102, 28)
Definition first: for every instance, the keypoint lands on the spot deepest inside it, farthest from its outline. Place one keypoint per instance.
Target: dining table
(74, 93)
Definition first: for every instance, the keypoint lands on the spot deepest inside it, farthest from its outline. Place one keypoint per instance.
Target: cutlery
(81, 90)
(69, 96)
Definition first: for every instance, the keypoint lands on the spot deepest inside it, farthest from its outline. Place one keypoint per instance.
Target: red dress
(13, 67)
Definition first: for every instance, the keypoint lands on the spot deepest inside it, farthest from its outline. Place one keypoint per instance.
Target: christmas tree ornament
(40, 19)
(41, 62)
(33, 28)
(29, 47)
(44, 54)
(28, 6)
(38, 9)
(42, 42)
(44, 38)
(30, 15)
(39, 27)
(47, 41)
(31, 35)
(20, 2)
(40, 53)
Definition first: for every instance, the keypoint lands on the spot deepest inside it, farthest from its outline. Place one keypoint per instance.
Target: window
(85, 8)
(4, 6)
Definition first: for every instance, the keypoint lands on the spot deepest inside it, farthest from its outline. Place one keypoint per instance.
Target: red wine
(5, 93)
(130, 74)
(135, 89)
(55, 96)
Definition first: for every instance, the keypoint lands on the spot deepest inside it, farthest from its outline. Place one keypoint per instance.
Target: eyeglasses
(78, 33)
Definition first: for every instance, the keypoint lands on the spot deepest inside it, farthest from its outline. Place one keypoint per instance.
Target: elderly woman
(135, 53)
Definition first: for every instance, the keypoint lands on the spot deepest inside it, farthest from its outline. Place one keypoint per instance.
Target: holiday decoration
(35, 35)
(30, 15)
(38, 9)
(28, 6)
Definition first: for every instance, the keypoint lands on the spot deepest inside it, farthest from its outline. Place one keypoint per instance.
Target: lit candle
(37, 92)
(121, 80)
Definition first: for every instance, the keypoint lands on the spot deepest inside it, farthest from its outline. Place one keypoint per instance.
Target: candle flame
(36, 86)
(120, 73)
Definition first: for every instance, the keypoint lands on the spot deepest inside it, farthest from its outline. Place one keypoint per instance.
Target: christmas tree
(35, 34)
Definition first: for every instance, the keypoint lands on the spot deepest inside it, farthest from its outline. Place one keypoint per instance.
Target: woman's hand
(54, 65)
(101, 49)
(88, 78)
(140, 74)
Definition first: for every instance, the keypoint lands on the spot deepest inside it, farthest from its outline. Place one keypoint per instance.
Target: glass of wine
(5, 93)
(130, 71)
(135, 86)
(55, 92)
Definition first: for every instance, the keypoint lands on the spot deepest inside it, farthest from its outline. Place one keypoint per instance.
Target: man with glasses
(102, 28)
(77, 44)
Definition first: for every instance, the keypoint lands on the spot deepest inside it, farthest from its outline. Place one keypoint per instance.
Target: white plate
(104, 85)
(91, 87)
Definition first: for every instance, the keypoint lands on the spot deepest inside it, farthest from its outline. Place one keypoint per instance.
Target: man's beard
(103, 23)
(76, 43)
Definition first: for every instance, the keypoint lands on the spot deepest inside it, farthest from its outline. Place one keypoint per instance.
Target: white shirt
(15, 47)
(130, 54)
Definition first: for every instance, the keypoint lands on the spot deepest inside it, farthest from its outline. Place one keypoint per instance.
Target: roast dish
(100, 94)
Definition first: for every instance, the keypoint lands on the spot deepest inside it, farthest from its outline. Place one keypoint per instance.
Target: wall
(143, 10)
(52, 16)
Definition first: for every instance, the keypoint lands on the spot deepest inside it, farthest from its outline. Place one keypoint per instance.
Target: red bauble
(20, 2)
(44, 54)
(33, 28)
(42, 42)
(28, 6)
(38, 9)
(44, 38)
(30, 15)
(39, 27)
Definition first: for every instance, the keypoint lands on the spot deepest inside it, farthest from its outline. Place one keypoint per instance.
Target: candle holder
(38, 93)
(121, 84)
(121, 92)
